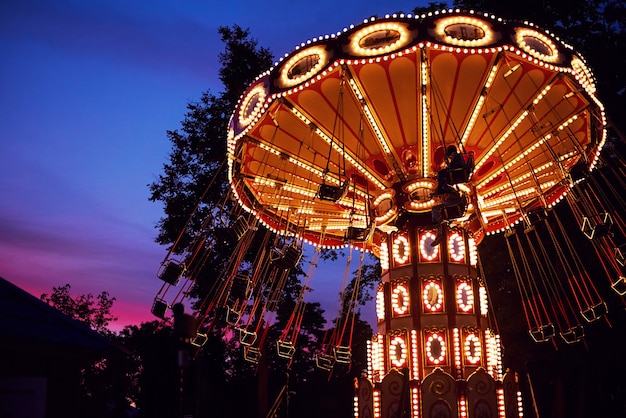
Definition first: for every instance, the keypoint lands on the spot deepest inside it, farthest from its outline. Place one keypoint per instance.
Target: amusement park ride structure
(339, 145)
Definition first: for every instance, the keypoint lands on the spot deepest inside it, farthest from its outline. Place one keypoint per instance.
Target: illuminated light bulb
(380, 305)
(432, 296)
(472, 348)
(400, 300)
(400, 249)
(442, 345)
(464, 297)
(397, 351)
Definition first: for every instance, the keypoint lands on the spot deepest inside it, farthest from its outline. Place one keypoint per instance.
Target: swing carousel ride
(340, 144)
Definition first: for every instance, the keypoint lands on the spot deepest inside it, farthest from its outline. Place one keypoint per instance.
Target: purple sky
(87, 92)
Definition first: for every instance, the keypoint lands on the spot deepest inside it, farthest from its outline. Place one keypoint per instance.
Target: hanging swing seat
(342, 354)
(596, 226)
(535, 217)
(542, 333)
(620, 257)
(159, 307)
(573, 335)
(240, 227)
(287, 258)
(171, 272)
(332, 193)
(241, 287)
(620, 286)
(354, 233)
(454, 209)
(595, 312)
(579, 171)
(232, 316)
(251, 354)
(285, 349)
(461, 174)
(324, 362)
(199, 340)
(247, 337)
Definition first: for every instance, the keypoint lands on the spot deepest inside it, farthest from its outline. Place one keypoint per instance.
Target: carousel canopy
(347, 132)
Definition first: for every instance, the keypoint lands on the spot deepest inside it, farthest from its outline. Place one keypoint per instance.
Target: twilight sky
(87, 92)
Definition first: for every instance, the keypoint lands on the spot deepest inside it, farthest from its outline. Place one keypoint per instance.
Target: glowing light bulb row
(377, 406)
(463, 407)
(479, 104)
(384, 256)
(415, 402)
(380, 304)
(415, 357)
(473, 251)
(338, 148)
(520, 179)
(501, 405)
(382, 140)
(456, 342)
(503, 138)
(484, 304)
(425, 124)
(508, 165)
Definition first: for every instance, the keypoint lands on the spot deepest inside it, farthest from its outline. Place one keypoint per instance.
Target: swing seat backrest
(620, 286)
(461, 174)
(595, 312)
(159, 307)
(542, 333)
(342, 354)
(456, 210)
(573, 334)
(285, 349)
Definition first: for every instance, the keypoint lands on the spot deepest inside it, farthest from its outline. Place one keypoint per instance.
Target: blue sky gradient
(88, 90)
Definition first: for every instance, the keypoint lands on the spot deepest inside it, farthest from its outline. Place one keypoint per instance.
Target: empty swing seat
(342, 354)
(542, 333)
(172, 272)
(596, 226)
(199, 340)
(324, 362)
(354, 233)
(251, 354)
(285, 349)
(240, 227)
(232, 316)
(456, 210)
(241, 287)
(595, 312)
(159, 307)
(289, 258)
(332, 193)
(247, 337)
(620, 286)
(573, 334)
